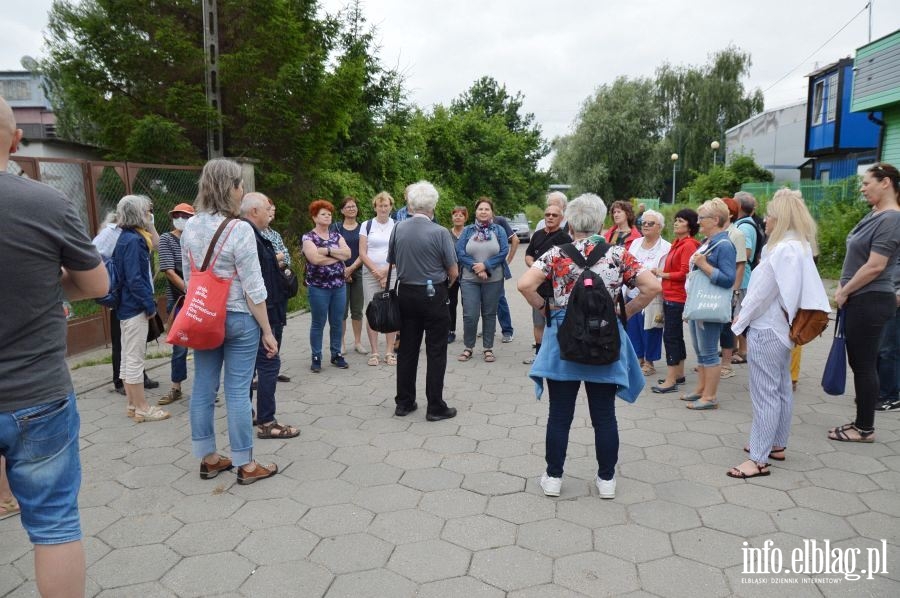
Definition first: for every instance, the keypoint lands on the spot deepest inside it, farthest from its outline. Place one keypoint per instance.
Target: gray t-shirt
(481, 251)
(421, 251)
(40, 231)
(878, 233)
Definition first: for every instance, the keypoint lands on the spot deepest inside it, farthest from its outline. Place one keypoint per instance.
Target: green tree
(615, 149)
(724, 181)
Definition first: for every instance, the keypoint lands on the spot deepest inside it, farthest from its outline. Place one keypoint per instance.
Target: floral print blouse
(324, 277)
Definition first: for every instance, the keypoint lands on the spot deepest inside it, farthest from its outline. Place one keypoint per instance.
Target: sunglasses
(550, 215)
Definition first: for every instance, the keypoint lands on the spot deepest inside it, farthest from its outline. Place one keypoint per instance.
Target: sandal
(701, 405)
(489, 356)
(648, 369)
(9, 508)
(690, 397)
(153, 414)
(390, 359)
(761, 470)
(772, 454)
(738, 359)
(466, 355)
(130, 411)
(840, 434)
(261, 472)
(374, 359)
(276, 430)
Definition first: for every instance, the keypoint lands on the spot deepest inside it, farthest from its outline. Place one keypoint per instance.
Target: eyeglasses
(704, 217)
(551, 215)
(649, 224)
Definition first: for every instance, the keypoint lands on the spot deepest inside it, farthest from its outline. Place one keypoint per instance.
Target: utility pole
(214, 143)
(870, 21)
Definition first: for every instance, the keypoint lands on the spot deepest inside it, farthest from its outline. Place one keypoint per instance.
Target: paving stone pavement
(368, 504)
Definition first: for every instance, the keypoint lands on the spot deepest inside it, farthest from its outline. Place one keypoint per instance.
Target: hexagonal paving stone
(591, 512)
(453, 503)
(10, 579)
(148, 590)
(372, 474)
(413, 459)
(274, 545)
(649, 471)
(205, 538)
(479, 532)
(883, 501)
(318, 493)
(483, 431)
(291, 579)
(429, 560)
(352, 455)
(876, 525)
(353, 552)
(708, 546)
(150, 476)
(688, 493)
(431, 479)
(314, 469)
(458, 587)
(448, 445)
(511, 567)
(504, 447)
(555, 537)
(676, 577)
(139, 530)
(470, 463)
(128, 566)
(269, 512)
(808, 523)
(641, 438)
(392, 497)
(737, 520)
(665, 516)
(378, 583)
(595, 574)
(206, 507)
(401, 527)
(493, 483)
(758, 497)
(676, 456)
(633, 543)
(209, 574)
(335, 520)
(521, 508)
(829, 501)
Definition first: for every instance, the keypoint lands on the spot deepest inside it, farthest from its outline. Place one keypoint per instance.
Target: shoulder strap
(570, 250)
(369, 226)
(387, 282)
(212, 244)
(597, 252)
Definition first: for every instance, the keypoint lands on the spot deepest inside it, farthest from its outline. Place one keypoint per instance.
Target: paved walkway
(373, 505)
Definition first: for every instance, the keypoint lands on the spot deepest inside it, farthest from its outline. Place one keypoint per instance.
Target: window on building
(15, 89)
(818, 102)
(832, 98)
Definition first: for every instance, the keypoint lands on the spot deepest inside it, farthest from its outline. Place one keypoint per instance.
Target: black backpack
(760, 240)
(589, 332)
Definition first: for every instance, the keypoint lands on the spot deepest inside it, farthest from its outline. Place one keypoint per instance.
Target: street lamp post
(715, 148)
(674, 158)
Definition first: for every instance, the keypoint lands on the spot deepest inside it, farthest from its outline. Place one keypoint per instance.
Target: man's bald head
(9, 135)
(255, 208)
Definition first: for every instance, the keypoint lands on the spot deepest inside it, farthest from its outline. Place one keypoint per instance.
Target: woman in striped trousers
(785, 281)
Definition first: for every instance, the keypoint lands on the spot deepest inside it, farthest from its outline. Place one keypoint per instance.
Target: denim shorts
(41, 449)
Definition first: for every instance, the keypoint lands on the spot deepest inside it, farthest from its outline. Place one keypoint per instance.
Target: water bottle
(429, 288)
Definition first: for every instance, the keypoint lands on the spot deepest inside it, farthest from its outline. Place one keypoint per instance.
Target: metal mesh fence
(68, 179)
(167, 187)
(815, 193)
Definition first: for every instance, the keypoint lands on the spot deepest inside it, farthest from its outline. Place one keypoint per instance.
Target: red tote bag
(201, 322)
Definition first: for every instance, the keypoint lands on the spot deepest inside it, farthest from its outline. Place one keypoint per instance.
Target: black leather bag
(383, 312)
(290, 284)
(155, 327)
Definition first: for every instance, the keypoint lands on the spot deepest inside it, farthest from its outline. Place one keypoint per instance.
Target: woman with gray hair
(616, 268)
(137, 305)
(219, 198)
(646, 332)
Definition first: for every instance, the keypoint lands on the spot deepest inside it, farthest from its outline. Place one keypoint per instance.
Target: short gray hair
(421, 197)
(131, 211)
(746, 200)
(253, 200)
(654, 214)
(586, 213)
(558, 199)
(218, 178)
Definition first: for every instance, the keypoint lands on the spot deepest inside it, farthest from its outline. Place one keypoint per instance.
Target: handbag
(383, 311)
(834, 376)
(155, 327)
(290, 283)
(653, 314)
(807, 325)
(201, 322)
(706, 301)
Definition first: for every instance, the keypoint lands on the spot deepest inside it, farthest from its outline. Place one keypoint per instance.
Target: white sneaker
(607, 488)
(550, 486)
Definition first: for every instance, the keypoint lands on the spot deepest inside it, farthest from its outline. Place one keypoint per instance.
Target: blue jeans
(326, 304)
(179, 354)
(480, 299)
(673, 332)
(889, 360)
(503, 314)
(601, 404)
(41, 448)
(238, 356)
(647, 343)
(267, 369)
(705, 338)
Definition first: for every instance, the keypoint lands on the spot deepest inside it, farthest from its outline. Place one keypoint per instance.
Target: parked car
(519, 224)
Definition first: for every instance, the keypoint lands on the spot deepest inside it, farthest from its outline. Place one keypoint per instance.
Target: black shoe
(316, 365)
(681, 380)
(888, 405)
(150, 384)
(404, 410)
(120, 390)
(445, 414)
(338, 361)
(664, 389)
(283, 378)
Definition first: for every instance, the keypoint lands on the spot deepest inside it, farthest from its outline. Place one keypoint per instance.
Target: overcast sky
(557, 53)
